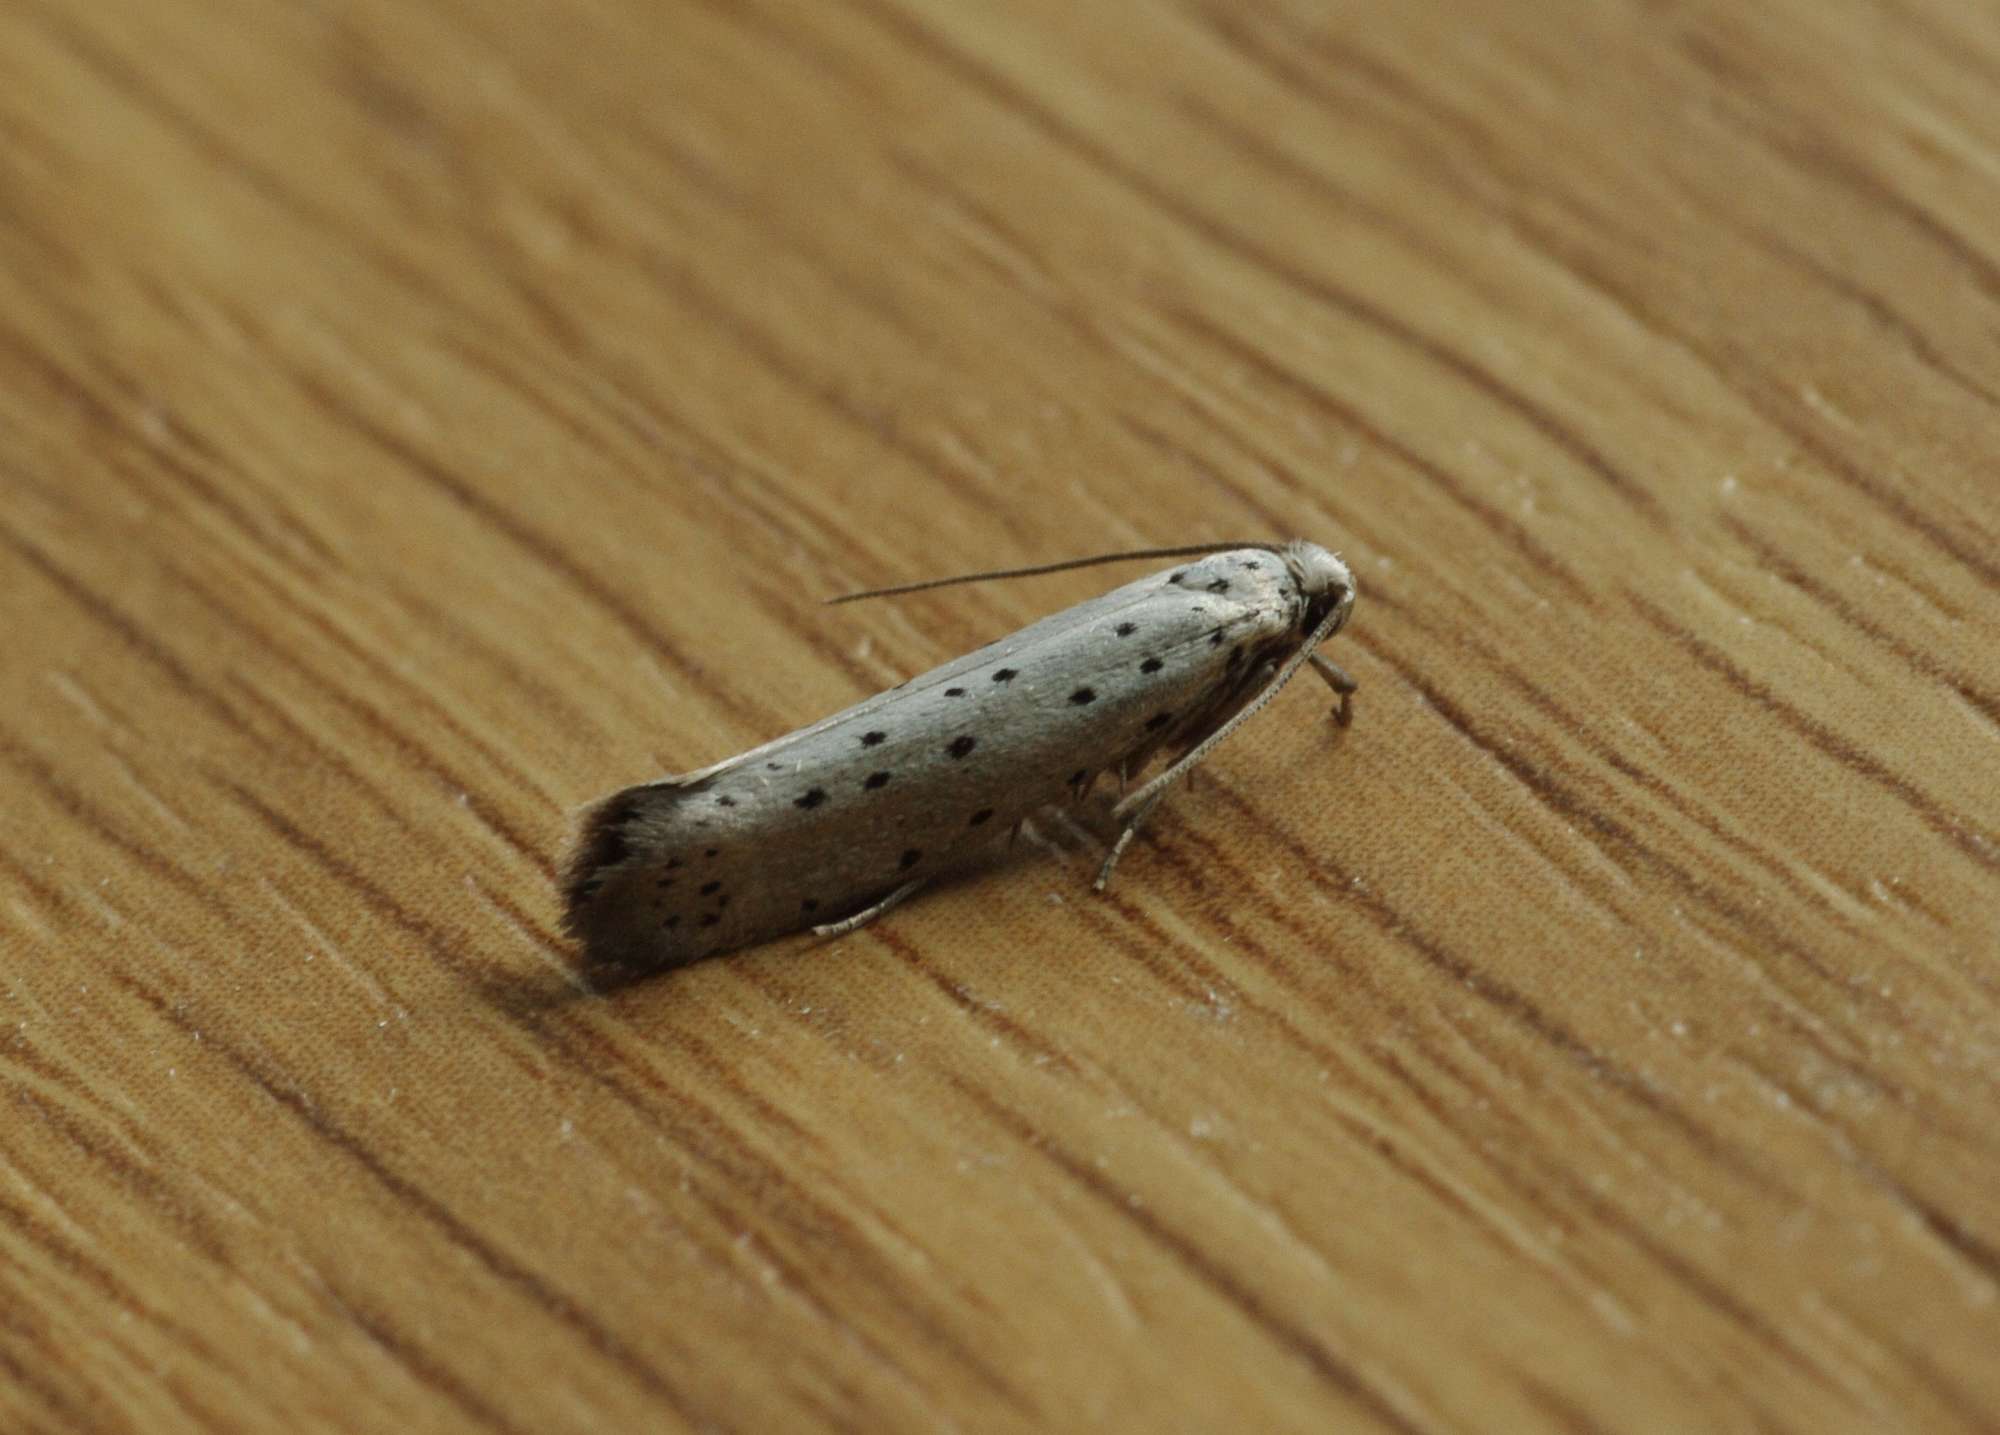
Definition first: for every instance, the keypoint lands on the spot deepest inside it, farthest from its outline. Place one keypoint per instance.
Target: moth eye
(910, 859)
(811, 904)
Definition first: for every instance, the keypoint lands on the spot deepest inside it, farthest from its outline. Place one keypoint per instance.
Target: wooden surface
(416, 420)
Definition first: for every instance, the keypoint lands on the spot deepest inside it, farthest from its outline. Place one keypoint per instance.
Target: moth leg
(868, 914)
(1125, 839)
(1340, 682)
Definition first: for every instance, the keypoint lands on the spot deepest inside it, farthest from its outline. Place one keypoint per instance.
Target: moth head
(1325, 583)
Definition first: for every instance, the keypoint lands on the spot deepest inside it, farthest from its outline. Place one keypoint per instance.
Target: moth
(832, 825)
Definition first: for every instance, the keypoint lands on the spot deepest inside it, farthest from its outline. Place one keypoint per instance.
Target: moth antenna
(1062, 567)
(1201, 749)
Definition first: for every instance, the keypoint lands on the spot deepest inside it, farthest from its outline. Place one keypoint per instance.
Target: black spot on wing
(910, 858)
(1151, 665)
(871, 739)
(1082, 696)
(811, 799)
(982, 815)
(962, 746)
(1005, 675)
(875, 780)
(1126, 630)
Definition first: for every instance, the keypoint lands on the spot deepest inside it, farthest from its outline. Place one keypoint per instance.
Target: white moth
(834, 824)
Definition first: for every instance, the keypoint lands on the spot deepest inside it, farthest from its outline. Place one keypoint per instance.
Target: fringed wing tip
(601, 845)
(616, 946)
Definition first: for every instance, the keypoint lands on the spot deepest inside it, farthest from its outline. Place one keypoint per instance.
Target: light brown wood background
(416, 420)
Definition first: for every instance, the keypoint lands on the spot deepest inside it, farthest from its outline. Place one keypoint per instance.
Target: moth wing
(1088, 612)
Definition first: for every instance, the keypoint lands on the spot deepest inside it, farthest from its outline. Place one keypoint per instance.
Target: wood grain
(418, 420)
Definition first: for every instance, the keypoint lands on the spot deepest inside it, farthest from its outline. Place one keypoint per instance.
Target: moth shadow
(537, 989)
